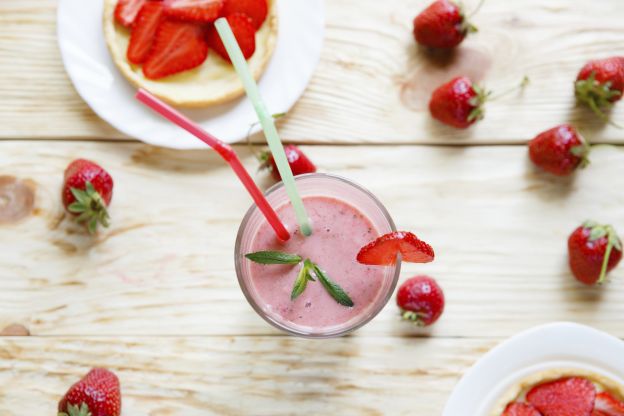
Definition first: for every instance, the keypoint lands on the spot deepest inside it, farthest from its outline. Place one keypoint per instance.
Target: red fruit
(520, 409)
(127, 10)
(244, 32)
(199, 11)
(442, 25)
(298, 161)
(560, 150)
(421, 300)
(179, 46)
(257, 10)
(98, 391)
(87, 191)
(458, 103)
(608, 405)
(384, 250)
(600, 83)
(564, 397)
(144, 32)
(593, 250)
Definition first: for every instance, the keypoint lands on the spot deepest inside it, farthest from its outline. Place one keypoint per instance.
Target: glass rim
(291, 330)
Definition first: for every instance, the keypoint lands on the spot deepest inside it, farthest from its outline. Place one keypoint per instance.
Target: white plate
(557, 345)
(101, 85)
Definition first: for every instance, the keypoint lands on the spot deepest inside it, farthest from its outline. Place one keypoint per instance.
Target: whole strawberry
(600, 83)
(459, 102)
(560, 150)
(442, 25)
(96, 394)
(594, 250)
(299, 163)
(87, 192)
(421, 300)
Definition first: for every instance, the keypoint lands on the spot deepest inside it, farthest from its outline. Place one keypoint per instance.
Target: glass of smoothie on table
(344, 217)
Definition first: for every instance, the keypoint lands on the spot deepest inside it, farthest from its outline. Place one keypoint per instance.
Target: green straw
(266, 120)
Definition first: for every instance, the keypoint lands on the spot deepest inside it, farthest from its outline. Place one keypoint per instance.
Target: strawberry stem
(605, 261)
(521, 86)
(476, 9)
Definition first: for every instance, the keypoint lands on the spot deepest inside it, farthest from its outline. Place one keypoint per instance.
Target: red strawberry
(257, 10)
(87, 191)
(442, 25)
(126, 11)
(564, 397)
(560, 150)
(298, 161)
(200, 11)
(608, 405)
(384, 250)
(520, 409)
(594, 250)
(96, 394)
(421, 300)
(144, 31)
(458, 103)
(600, 83)
(245, 34)
(179, 46)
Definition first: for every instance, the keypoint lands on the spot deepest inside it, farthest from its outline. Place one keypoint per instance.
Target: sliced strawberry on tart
(171, 48)
(563, 393)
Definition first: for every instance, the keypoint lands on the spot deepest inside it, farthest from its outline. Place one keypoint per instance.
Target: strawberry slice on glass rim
(384, 250)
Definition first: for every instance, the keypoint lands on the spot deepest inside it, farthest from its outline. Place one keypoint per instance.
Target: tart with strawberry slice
(171, 47)
(563, 393)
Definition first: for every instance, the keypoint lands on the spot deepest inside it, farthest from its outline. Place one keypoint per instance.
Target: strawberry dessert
(335, 280)
(563, 393)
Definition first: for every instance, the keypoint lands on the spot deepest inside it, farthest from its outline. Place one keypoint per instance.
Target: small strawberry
(421, 300)
(96, 394)
(178, 47)
(594, 250)
(257, 10)
(608, 405)
(442, 25)
(87, 191)
(384, 250)
(199, 11)
(244, 32)
(459, 102)
(520, 409)
(600, 83)
(299, 163)
(560, 150)
(144, 31)
(564, 397)
(126, 11)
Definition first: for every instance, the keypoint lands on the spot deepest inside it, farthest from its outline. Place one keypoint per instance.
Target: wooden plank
(165, 266)
(242, 376)
(372, 83)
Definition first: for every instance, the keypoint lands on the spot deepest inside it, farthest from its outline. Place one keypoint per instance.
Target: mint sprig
(273, 257)
(305, 275)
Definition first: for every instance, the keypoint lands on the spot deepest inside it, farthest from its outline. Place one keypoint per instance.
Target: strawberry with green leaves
(594, 250)
(560, 150)
(443, 24)
(87, 192)
(421, 300)
(600, 83)
(96, 394)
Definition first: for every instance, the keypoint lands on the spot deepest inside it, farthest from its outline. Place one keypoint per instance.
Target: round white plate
(557, 345)
(101, 85)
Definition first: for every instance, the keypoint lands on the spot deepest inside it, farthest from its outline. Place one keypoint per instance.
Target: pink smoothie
(339, 231)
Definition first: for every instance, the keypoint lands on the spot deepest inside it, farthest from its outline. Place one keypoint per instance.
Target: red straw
(226, 152)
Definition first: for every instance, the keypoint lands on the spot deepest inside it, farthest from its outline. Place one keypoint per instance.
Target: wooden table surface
(155, 297)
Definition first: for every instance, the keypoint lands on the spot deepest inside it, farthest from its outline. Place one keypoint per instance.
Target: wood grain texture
(372, 84)
(165, 267)
(242, 375)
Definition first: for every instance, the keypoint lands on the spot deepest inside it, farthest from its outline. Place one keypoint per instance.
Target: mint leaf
(334, 290)
(273, 257)
(301, 283)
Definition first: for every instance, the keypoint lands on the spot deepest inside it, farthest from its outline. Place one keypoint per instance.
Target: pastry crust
(214, 82)
(521, 387)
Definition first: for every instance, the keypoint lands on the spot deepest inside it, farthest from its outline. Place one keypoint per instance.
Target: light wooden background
(155, 297)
